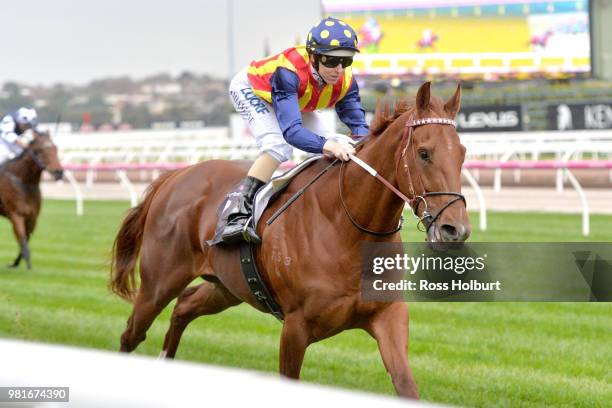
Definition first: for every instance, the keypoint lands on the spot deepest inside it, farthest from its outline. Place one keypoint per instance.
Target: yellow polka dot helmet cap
(332, 37)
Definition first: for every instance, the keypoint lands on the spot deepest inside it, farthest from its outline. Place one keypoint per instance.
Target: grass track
(470, 354)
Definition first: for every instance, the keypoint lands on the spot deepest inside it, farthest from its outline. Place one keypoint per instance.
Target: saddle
(264, 197)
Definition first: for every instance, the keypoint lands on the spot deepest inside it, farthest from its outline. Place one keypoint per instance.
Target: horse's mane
(387, 113)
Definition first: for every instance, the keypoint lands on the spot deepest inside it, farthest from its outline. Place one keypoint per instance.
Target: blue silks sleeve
(286, 106)
(351, 113)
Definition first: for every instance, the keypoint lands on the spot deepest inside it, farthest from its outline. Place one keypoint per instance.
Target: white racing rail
(566, 167)
(141, 156)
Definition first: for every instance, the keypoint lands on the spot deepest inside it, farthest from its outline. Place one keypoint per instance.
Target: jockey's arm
(7, 129)
(287, 108)
(352, 114)
(7, 132)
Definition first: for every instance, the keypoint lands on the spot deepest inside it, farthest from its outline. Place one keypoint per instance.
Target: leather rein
(427, 219)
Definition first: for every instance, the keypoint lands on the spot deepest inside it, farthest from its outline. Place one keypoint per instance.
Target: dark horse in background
(20, 196)
(310, 257)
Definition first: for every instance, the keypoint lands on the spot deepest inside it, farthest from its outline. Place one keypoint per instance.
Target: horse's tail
(128, 241)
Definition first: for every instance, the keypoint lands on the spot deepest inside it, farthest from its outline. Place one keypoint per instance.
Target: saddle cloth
(265, 196)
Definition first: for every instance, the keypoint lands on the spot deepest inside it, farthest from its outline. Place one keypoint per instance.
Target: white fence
(149, 152)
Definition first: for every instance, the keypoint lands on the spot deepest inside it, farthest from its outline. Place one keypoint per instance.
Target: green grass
(469, 354)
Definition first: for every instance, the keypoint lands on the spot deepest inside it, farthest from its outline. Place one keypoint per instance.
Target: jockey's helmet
(332, 37)
(26, 116)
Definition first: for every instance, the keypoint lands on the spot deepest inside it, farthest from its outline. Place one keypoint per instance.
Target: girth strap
(256, 283)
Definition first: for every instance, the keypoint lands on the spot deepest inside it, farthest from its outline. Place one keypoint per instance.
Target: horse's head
(428, 161)
(429, 166)
(44, 153)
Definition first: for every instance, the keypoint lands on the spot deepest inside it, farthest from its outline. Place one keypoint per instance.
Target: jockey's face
(331, 75)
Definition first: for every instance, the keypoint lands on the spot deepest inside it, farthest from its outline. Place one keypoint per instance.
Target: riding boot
(239, 226)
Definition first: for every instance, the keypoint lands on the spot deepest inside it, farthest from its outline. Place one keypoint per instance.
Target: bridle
(37, 159)
(427, 219)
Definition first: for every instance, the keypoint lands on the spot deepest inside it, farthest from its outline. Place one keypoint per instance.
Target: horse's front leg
(294, 340)
(390, 329)
(19, 230)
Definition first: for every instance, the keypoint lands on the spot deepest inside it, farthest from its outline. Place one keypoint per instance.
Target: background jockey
(279, 97)
(12, 129)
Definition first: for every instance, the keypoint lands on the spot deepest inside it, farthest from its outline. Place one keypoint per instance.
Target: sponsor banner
(501, 118)
(487, 272)
(580, 116)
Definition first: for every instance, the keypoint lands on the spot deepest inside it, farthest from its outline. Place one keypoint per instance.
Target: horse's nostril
(449, 232)
(458, 233)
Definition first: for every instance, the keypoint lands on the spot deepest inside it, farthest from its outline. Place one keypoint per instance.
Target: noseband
(427, 219)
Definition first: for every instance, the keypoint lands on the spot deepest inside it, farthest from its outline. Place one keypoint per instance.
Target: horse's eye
(424, 154)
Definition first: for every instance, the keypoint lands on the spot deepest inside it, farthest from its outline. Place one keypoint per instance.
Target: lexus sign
(490, 118)
(580, 116)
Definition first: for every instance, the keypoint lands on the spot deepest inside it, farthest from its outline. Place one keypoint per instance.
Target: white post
(78, 195)
(497, 180)
(481, 201)
(130, 187)
(585, 205)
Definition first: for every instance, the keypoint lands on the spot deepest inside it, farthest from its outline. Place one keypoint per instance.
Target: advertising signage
(501, 118)
(489, 39)
(591, 116)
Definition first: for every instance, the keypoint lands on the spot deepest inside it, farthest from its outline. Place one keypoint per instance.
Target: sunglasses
(333, 62)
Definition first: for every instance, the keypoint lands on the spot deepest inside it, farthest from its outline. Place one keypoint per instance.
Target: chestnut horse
(310, 256)
(20, 196)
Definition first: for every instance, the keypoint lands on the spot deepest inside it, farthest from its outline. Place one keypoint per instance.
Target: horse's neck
(25, 169)
(370, 203)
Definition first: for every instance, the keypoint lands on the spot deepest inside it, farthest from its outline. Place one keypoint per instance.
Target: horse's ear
(454, 103)
(422, 98)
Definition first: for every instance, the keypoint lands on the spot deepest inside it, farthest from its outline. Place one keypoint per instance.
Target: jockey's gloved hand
(338, 150)
(339, 137)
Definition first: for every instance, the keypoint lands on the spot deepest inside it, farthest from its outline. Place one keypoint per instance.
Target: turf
(469, 354)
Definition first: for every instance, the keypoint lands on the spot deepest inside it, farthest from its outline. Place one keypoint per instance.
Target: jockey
(279, 97)
(12, 129)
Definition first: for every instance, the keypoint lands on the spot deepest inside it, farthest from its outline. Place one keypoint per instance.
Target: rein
(386, 183)
(427, 218)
